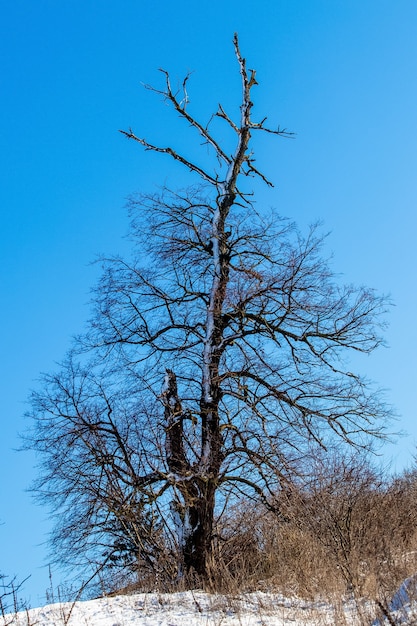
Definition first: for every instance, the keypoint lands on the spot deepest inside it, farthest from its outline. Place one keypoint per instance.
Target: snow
(191, 608)
(196, 608)
(403, 606)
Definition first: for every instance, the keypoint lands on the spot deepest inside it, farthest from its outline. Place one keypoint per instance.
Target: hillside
(195, 608)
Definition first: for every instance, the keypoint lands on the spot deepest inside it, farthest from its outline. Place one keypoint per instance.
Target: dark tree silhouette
(214, 359)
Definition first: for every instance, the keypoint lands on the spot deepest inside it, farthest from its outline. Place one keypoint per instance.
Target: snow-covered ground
(201, 609)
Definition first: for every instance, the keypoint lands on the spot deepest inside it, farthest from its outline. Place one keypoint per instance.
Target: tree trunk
(197, 485)
(194, 507)
(198, 545)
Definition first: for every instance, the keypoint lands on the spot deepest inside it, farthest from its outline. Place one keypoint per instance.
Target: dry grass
(349, 533)
(344, 534)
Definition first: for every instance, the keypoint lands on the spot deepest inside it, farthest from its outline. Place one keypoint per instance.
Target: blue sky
(340, 74)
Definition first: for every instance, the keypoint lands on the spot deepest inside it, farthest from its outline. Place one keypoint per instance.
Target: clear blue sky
(341, 74)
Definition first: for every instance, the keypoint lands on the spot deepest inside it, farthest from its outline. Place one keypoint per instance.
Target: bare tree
(243, 319)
